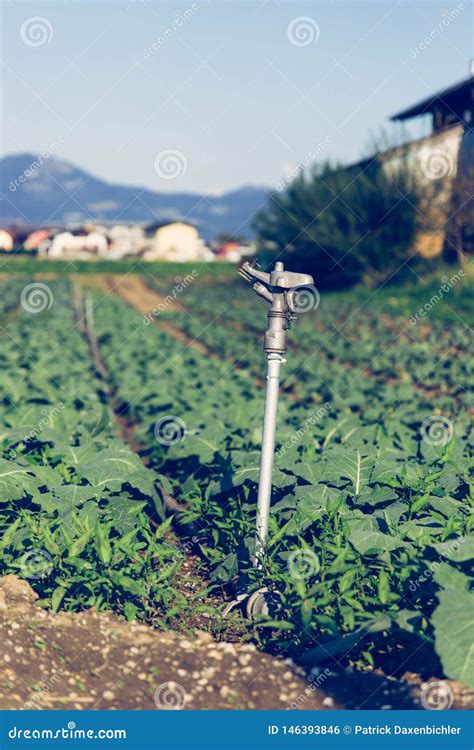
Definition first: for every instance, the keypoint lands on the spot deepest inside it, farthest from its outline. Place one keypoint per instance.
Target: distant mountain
(53, 191)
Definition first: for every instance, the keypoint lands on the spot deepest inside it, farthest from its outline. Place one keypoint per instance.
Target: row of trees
(347, 225)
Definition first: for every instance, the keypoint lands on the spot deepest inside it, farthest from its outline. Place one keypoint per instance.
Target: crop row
(374, 344)
(372, 508)
(75, 501)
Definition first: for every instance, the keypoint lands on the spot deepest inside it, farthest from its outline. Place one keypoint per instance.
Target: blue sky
(242, 90)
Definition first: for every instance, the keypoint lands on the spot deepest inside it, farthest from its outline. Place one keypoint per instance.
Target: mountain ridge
(44, 191)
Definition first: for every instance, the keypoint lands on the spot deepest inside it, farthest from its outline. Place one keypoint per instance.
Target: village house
(36, 239)
(125, 241)
(82, 245)
(233, 252)
(6, 240)
(443, 164)
(173, 241)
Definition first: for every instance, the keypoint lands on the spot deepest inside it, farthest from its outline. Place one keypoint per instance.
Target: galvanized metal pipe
(268, 448)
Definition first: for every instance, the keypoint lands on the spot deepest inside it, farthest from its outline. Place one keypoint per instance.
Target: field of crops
(110, 416)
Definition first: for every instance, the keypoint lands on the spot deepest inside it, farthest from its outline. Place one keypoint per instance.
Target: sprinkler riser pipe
(277, 288)
(268, 447)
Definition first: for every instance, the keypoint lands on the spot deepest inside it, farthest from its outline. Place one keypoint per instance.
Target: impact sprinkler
(288, 294)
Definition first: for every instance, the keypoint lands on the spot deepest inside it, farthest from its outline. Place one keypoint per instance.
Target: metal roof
(452, 97)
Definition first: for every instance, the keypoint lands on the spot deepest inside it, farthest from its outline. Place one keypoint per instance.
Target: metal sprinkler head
(282, 289)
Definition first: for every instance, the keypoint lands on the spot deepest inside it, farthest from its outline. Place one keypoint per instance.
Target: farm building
(229, 251)
(443, 163)
(233, 251)
(176, 241)
(6, 240)
(125, 241)
(37, 239)
(83, 245)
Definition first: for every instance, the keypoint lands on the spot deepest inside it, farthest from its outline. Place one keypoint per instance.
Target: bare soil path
(99, 661)
(138, 294)
(92, 661)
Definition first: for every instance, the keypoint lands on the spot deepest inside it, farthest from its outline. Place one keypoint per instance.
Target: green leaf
(457, 550)
(57, 596)
(366, 537)
(383, 587)
(16, 480)
(79, 545)
(112, 468)
(450, 578)
(453, 621)
(103, 544)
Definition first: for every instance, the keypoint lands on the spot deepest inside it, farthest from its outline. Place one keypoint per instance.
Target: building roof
(454, 97)
(159, 224)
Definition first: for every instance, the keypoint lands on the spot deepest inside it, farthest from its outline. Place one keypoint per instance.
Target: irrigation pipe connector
(288, 294)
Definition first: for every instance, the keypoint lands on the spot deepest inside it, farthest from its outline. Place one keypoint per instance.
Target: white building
(125, 241)
(6, 240)
(175, 241)
(68, 245)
